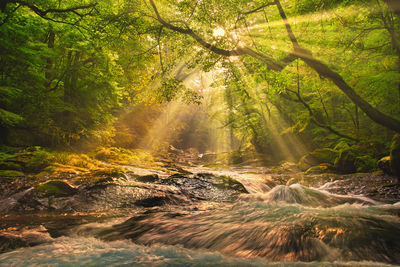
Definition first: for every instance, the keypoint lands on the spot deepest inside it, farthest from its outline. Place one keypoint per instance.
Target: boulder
(345, 162)
(384, 165)
(11, 239)
(56, 188)
(395, 155)
(226, 182)
(318, 156)
(151, 178)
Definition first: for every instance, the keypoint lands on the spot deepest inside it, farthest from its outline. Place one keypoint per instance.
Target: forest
(200, 132)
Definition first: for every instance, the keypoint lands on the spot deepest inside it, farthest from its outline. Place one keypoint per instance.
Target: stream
(201, 219)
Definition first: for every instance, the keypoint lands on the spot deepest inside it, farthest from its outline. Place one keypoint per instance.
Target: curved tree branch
(43, 13)
(271, 63)
(299, 52)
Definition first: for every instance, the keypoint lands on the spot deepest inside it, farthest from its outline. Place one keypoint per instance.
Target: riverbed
(239, 216)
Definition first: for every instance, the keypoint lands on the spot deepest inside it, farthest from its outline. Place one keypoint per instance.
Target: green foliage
(10, 173)
(65, 76)
(125, 156)
(384, 165)
(39, 159)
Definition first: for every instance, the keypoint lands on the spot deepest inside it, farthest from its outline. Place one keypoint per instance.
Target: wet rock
(205, 186)
(11, 239)
(161, 199)
(226, 182)
(395, 155)
(56, 188)
(147, 178)
(151, 202)
(384, 165)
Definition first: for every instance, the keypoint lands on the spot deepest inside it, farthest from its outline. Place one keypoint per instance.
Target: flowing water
(288, 225)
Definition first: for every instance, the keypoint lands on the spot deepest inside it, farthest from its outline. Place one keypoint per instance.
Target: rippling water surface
(284, 226)
(67, 251)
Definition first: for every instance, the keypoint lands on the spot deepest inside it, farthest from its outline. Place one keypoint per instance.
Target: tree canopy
(316, 70)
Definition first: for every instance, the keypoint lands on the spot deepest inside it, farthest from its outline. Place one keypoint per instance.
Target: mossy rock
(61, 168)
(151, 178)
(307, 161)
(384, 165)
(11, 173)
(365, 164)
(322, 168)
(395, 155)
(106, 154)
(318, 156)
(325, 155)
(226, 182)
(56, 188)
(345, 162)
(38, 160)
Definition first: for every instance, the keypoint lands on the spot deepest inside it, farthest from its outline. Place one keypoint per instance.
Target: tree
(298, 52)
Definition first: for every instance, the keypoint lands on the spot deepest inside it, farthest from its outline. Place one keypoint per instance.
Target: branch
(159, 49)
(324, 71)
(258, 8)
(43, 13)
(314, 118)
(9, 15)
(269, 61)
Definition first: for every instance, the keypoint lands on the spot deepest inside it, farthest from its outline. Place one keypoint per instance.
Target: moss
(10, 165)
(322, 168)
(11, 173)
(307, 161)
(365, 164)
(106, 154)
(57, 168)
(384, 165)
(316, 157)
(56, 188)
(5, 156)
(325, 155)
(123, 156)
(39, 160)
(345, 162)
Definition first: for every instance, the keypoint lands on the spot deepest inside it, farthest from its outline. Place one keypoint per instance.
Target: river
(197, 222)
